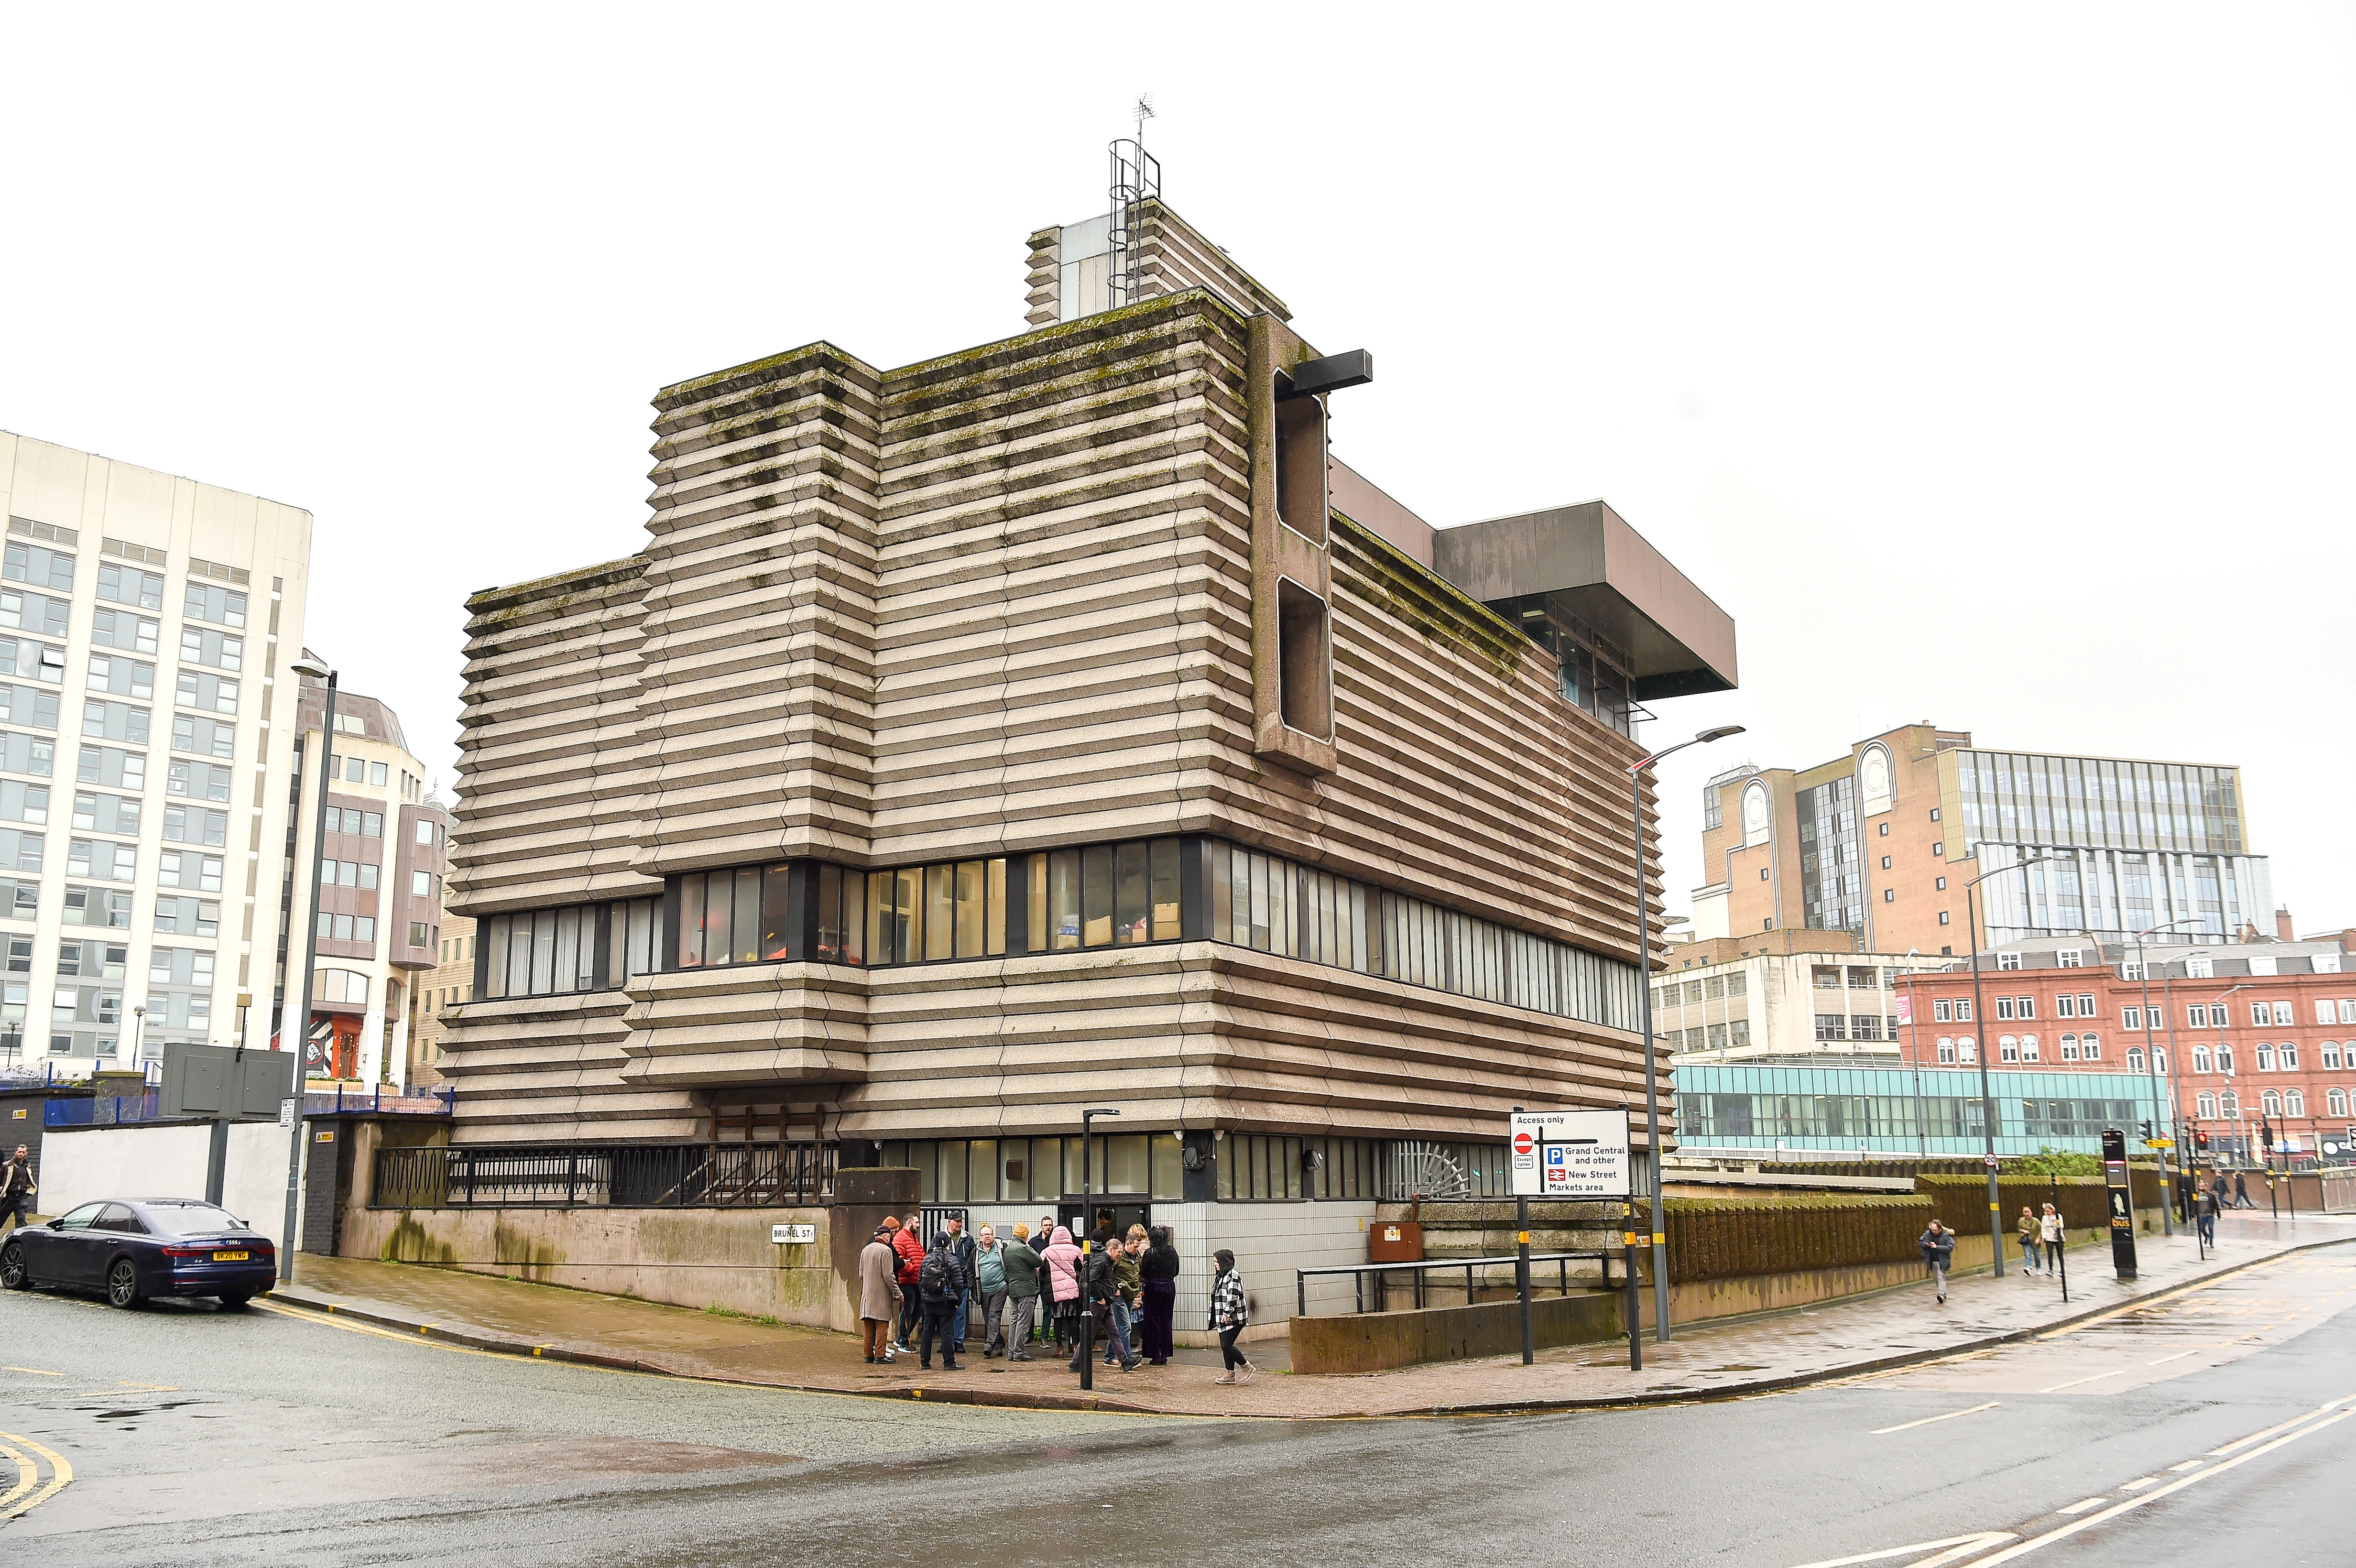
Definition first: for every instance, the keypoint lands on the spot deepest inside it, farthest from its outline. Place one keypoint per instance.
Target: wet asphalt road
(201, 1437)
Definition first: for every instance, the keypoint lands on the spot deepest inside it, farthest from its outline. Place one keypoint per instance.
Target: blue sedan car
(142, 1247)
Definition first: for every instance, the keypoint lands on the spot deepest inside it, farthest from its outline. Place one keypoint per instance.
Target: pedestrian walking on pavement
(1063, 1260)
(1159, 1269)
(940, 1280)
(2207, 1218)
(1938, 1244)
(909, 1246)
(2053, 1233)
(989, 1284)
(1022, 1265)
(1231, 1311)
(2242, 1191)
(878, 1291)
(2029, 1235)
(17, 1189)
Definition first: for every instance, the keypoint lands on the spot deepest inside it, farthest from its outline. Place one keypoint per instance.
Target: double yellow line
(28, 1476)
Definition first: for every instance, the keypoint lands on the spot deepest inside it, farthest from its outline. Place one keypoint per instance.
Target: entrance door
(1120, 1213)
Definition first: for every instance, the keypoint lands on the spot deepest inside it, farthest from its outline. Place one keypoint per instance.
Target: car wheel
(234, 1301)
(123, 1283)
(13, 1275)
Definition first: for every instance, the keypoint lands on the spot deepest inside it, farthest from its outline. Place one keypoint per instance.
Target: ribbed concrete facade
(990, 605)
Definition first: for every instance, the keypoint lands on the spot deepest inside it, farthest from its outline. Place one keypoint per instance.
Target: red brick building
(2241, 1036)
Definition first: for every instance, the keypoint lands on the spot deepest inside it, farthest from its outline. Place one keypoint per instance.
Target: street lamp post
(1644, 1005)
(299, 1009)
(1980, 1051)
(2151, 1063)
(1087, 1244)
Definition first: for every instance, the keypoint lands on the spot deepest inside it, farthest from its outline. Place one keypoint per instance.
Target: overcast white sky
(1991, 366)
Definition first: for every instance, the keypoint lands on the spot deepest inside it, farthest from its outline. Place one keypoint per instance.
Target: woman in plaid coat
(1229, 1312)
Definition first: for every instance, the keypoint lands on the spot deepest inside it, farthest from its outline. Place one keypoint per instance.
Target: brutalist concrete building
(1057, 724)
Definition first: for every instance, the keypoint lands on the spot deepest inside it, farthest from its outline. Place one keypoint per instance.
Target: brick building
(2243, 1032)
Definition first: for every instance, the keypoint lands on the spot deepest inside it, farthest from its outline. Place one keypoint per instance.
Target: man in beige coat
(878, 1291)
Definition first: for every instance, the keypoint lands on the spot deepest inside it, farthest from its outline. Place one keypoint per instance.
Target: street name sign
(1571, 1154)
(793, 1235)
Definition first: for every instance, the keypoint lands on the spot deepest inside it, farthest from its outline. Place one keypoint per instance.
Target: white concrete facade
(1780, 1005)
(144, 754)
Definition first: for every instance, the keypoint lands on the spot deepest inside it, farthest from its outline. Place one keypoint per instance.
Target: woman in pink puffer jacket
(1063, 1260)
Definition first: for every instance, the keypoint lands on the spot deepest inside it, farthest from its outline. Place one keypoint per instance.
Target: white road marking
(2050, 1536)
(1881, 1431)
(1946, 1549)
(2073, 1382)
(2281, 1426)
(2139, 1483)
(2187, 1464)
(2082, 1506)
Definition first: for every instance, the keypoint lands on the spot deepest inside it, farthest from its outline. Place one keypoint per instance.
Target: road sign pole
(1629, 1239)
(1522, 1260)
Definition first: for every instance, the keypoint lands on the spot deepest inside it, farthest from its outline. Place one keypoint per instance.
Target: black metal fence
(615, 1176)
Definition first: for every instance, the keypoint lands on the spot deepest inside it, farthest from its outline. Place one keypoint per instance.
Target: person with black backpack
(940, 1280)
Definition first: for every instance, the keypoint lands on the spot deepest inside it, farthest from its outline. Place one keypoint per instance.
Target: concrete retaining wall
(686, 1257)
(1376, 1341)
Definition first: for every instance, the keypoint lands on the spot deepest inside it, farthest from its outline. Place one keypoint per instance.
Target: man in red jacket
(910, 1246)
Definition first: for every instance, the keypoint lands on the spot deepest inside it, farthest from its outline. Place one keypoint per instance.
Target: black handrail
(1360, 1271)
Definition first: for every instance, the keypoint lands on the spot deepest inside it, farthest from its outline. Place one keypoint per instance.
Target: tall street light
(1645, 994)
(2151, 1065)
(298, 1010)
(1980, 1051)
(2176, 1072)
(1087, 1215)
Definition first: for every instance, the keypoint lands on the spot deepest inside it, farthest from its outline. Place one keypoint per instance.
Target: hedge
(1961, 1201)
(1734, 1238)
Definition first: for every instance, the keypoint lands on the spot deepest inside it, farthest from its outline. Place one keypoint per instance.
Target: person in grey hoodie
(1021, 1266)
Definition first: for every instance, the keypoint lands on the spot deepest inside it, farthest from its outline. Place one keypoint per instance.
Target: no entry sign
(1571, 1154)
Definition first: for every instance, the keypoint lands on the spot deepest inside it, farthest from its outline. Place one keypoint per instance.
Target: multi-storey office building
(1882, 842)
(1055, 724)
(449, 984)
(144, 750)
(379, 917)
(2235, 1034)
(1789, 994)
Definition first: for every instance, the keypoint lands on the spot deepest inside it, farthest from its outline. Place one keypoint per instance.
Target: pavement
(1772, 1351)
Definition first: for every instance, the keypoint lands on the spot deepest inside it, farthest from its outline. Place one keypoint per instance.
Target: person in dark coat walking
(2242, 1191)
(17, 1186)
(940, 1281)
(1938, 1244)
(1159, 1269)
(2206, 1217)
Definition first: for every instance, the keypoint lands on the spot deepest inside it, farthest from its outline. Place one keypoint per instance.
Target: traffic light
(2145, 1125)
(2199, 1139)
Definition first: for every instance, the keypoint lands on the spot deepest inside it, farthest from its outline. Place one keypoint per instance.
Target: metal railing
(605, 1175)
(339, 1102)
(1562, 1262)
(102, 1110)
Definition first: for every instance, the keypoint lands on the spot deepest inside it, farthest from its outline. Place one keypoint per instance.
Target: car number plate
(230, 1257)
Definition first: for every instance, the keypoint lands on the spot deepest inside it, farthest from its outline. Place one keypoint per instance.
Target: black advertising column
(2122, 1202)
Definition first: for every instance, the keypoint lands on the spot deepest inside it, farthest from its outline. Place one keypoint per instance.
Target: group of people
(2041, 1237)
(914, 1295)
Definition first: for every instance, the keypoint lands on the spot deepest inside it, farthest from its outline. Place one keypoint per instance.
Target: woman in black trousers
(1159, 1272)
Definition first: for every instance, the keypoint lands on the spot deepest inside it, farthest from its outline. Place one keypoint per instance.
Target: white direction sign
(1570, 1154)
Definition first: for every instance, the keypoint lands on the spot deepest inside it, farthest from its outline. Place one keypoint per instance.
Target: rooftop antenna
(1136, 180)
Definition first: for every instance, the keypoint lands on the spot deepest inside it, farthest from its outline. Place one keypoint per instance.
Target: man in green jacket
(1021, 1268)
